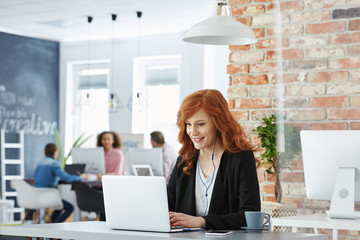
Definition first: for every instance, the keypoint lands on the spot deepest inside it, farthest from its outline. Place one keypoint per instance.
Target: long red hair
(230, 133)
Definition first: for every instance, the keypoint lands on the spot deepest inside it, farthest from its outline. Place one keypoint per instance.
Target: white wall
(191, 72)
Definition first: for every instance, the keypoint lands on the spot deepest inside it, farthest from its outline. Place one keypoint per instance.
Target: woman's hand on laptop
(83, 176)
(181, 219)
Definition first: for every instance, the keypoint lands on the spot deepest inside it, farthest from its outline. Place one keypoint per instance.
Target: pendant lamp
(115, 103)
(220, 29)
(89, 20)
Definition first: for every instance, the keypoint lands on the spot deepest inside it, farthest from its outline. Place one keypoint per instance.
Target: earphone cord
(212, 178)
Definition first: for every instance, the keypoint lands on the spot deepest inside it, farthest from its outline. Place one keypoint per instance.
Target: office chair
(34, 198)
(89, 199)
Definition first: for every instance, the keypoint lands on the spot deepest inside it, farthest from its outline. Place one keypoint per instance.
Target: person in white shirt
(169, 154)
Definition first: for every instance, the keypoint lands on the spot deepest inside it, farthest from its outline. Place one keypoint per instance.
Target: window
(156, 97)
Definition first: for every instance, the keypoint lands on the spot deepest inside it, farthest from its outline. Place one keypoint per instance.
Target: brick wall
(306, 65)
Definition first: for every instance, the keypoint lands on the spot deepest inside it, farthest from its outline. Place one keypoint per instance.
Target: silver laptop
(137, 203)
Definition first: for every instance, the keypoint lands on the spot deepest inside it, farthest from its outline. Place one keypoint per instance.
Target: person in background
(114, 157)
(168, 153)
(47, 173)
(214, 180)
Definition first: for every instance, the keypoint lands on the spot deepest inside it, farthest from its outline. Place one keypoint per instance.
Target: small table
(98, 230)
(316, 221)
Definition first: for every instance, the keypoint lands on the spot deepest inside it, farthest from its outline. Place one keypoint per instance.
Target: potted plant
(272, 158)
(78, 142)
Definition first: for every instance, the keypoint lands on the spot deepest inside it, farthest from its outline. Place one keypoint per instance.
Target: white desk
(317, 221)
(98, 230)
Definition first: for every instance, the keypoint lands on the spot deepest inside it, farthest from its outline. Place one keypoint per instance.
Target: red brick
(287, 78)
(258, 115)
(261, 175)
(299, 201)
(250, 79)
(351, 62)
(247, 10)
(239, 47)
(310, 40)
(292, 177)
(316, 28)
(355, 76)
(259, 1)
(269, 188)
(355, 125)
(265, 67)
(270, 199)
(344, 114)
(259, 32)
(353, 50)
(259, 91)
(253, 103)
(338, 76)
(324, 52)
(306, 65)
(354, 25)
(291, 103)
(237, 68)
(345, 38)
(343, 89)
(238, 2)
(329, 126)
(245, 20)
(237, 92)
(311, 16)
(270, 177)
(246, 57)
(271, 44)
(341, 101)
(231, 103)
(305, 90)
(355, 101)
(315, 4)
(285, 30)
(285, 54)
(285, 6)
(298, 165)
(306, 115)
(240, 115)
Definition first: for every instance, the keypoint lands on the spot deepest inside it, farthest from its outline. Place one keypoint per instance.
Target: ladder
(6, 177)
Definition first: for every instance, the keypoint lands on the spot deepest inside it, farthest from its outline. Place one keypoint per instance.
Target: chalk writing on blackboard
(15, 115)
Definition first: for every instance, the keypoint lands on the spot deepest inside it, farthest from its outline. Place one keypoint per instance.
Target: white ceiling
(66, 20)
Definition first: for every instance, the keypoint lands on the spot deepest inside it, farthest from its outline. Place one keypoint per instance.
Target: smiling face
(107, 141)
(201, 130)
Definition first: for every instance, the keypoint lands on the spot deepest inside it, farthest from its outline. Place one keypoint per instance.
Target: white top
(169, 160)
(202, 203)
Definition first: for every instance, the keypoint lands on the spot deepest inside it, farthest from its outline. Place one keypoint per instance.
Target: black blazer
(236, 190)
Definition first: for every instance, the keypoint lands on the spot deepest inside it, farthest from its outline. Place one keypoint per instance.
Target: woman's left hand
(181, 219)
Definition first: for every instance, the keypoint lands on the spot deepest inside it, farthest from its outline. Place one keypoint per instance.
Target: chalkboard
(29, 92)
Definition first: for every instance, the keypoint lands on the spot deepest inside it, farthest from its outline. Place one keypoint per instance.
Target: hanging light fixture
(129, 104)
(220, 29)
(89, 20)
(115, 103)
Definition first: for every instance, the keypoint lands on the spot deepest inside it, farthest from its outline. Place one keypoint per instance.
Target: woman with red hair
(214, 181)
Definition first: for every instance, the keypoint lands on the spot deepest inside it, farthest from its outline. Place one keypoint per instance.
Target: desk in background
(316, 221)
(98, 230)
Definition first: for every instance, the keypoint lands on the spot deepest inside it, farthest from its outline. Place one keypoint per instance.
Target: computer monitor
(92, 157)
(332, 169)
(152, 157)
(143, 170)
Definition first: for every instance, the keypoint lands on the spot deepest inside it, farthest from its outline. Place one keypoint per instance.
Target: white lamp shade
(220, 30)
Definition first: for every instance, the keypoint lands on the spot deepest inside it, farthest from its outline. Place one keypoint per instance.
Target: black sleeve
(171, 188)
(247, 197)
